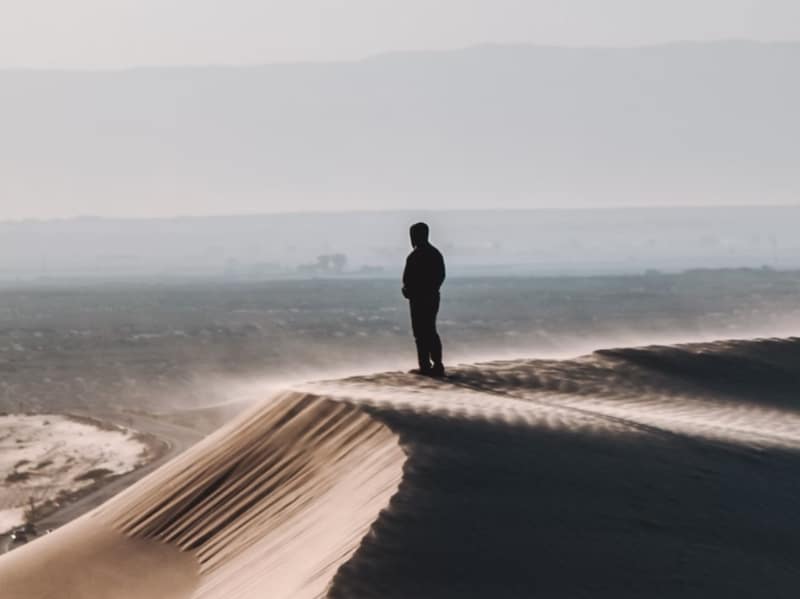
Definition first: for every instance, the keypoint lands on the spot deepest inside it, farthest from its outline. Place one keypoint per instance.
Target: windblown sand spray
(272, 503)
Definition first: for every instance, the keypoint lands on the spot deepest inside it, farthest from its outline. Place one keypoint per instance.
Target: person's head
(419, 234)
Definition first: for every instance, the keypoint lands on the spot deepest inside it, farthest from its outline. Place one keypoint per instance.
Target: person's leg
(435, 340)
(436, 349)
(419, 326)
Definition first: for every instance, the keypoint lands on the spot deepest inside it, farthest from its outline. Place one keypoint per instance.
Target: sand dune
(649, 472)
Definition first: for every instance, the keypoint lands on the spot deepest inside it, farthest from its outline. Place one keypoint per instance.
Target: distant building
(325, 264)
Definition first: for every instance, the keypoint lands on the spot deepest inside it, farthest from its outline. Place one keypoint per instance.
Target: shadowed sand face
(87, 560)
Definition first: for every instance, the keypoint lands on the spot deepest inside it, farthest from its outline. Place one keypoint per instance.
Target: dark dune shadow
(491, 509)
(766, 371)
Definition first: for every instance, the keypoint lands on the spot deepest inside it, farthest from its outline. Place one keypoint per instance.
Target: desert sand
(647, 472)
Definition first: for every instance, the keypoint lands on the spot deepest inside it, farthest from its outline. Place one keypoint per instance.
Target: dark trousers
(423, 323)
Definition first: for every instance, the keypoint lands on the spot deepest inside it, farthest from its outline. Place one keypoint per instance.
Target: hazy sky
(49, 172)
(116, 33)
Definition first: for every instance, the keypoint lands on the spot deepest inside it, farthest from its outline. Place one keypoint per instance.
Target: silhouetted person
(422, 278)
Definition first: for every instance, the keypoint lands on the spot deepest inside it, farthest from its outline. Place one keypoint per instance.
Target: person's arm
(406, 277)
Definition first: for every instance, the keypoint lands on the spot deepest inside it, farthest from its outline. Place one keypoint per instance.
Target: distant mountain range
(496, 242)
(506, 126)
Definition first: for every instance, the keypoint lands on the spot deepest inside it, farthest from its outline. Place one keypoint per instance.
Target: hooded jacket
(424, 272)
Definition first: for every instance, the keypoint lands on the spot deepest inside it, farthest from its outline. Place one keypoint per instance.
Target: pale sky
(142, 144)
(122, 33)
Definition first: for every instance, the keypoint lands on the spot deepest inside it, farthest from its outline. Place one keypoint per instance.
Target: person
(422, 278)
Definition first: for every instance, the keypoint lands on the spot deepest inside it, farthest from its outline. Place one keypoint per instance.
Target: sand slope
(651, 472)
(85, 561)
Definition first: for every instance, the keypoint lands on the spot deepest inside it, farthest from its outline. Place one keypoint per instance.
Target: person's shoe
(437, 371)
(421, 371)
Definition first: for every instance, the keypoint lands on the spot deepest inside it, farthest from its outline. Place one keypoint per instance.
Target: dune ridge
(653, 471)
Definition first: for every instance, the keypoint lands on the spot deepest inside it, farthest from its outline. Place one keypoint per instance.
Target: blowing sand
(653, 472)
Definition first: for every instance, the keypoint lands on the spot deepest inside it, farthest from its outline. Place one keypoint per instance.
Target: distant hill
(509, 126)
(544, 242)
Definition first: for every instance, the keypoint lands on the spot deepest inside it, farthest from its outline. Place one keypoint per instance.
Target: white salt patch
(43, 456)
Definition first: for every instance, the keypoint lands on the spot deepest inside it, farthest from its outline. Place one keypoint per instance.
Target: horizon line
(396, 211)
